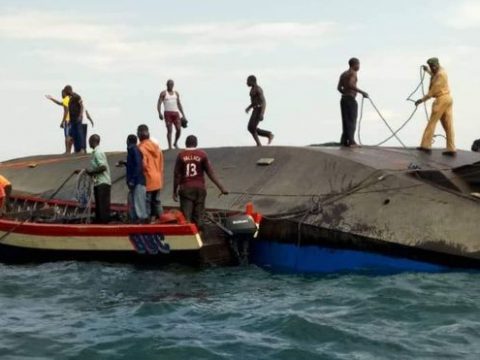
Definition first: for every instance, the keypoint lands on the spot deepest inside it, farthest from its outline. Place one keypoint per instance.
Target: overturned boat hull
(325, 208)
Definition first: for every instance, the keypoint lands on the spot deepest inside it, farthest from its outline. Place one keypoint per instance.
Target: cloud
(108, 45)
(465, 16)
(36, 25)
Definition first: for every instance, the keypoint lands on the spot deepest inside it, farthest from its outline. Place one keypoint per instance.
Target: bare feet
(270, 138)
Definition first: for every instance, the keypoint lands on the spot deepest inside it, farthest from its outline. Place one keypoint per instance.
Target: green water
(97, 311)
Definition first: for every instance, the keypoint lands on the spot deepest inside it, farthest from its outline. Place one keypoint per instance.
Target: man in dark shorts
(258, 104)
(189, 181)
(173, 114)
(347, 86)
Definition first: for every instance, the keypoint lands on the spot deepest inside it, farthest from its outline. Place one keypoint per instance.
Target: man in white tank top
(173, 112)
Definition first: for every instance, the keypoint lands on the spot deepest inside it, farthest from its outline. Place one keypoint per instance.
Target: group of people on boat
(145, 179)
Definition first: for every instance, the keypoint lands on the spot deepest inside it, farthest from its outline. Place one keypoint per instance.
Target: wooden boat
(37, 230)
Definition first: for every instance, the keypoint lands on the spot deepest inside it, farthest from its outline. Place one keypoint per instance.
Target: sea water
(76, 310)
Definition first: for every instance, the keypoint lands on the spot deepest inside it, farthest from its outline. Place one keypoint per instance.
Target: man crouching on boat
(189, 181)
(5, 191)
(100, 172)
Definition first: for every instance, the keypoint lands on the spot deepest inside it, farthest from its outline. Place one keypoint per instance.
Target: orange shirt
(3, 183)
(152, 164)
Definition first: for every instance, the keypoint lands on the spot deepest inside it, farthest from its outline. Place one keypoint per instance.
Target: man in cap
(441, 107)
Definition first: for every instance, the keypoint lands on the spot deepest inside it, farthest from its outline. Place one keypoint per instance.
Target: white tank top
(170, 102)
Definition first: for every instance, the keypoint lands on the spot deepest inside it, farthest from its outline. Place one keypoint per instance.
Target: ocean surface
(76, 310)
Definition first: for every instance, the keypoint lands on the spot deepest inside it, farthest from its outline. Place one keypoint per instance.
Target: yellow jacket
(438, 85)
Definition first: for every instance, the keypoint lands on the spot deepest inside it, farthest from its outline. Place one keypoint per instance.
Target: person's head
(354, 64)
(94, 141)
(63, 93)
(142, 132)
(191, 141)
(434, 64)
(251, 80)
(132, 140)
(68, 90)
(170, 85)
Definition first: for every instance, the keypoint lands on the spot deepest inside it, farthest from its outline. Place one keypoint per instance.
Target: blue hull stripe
(315, 259)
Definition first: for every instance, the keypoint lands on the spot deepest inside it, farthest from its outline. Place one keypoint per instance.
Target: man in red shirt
(189, 181)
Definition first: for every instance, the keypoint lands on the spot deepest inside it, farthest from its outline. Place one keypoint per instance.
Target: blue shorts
(66, 129)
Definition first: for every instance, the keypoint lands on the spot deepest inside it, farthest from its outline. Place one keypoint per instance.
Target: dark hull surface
(396, 203)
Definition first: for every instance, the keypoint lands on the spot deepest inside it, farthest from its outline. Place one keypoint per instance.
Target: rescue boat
(39, 230)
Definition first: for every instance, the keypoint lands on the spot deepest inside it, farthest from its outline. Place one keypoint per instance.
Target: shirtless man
(173, 109)
(347, 86)
(258, 104)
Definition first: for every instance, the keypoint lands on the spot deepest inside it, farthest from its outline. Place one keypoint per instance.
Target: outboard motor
(242, 229)
(241, 224)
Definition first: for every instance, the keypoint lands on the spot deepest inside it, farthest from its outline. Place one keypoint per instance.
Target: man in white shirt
(173, 112)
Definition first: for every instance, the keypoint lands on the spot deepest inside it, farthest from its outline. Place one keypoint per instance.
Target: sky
(118, 56)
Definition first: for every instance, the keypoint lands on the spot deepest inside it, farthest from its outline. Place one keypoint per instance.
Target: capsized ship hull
(387, 203)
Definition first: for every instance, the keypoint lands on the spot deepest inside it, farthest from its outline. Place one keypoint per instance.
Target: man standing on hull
(347, 86)
(258, 104)
(189, 181)
(65, 124)
(441, 108)
(173, 109)
(77, 130)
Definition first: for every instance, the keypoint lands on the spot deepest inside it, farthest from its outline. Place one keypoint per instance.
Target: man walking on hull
(173, 109)
(347, 86)
(441, 107)
(258, 104)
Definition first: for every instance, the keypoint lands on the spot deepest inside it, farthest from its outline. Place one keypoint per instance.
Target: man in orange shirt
(5, 191)
(441, 108)
(153, 170)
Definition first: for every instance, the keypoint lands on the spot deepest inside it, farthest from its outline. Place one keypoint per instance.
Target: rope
(394, 133)
(84, 193)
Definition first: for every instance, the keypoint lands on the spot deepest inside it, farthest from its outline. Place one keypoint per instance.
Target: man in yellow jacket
(441, 108)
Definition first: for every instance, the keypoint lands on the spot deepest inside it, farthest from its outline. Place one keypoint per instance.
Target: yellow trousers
(441, 110)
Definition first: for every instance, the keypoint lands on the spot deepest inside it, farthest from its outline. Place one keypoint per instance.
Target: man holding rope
(347, 86)
(441, 107)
